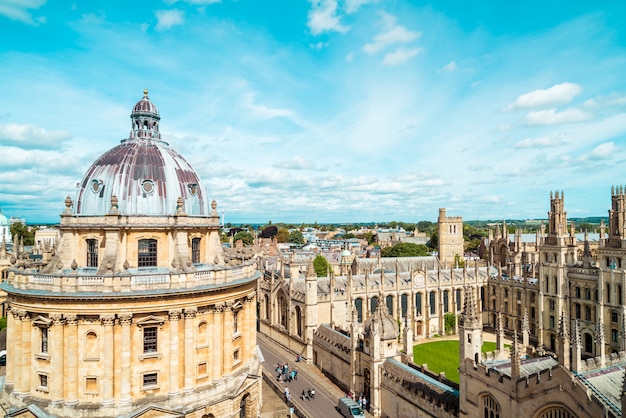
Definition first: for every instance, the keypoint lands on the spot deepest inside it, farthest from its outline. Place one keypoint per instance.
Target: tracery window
(491, 407)
(556, 412)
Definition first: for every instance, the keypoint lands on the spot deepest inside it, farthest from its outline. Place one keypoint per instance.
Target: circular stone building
(139, 313)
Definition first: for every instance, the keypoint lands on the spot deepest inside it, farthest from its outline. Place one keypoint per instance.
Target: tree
(405, 249)
(425, 226)
(296, 237)
(282, 235)
(449, 321)
(244, 236)
(320, 264)
(269, 231)
(19, 230)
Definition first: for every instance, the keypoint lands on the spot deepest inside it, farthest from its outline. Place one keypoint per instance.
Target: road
(326, 394)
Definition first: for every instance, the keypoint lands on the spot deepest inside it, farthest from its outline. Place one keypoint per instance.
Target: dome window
(96, 185)
(147, 186)
(193, 188)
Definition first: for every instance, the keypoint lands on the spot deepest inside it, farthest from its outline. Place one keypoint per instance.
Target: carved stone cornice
(219, 307)
(107, 320)
(18, 314)
(190, 313)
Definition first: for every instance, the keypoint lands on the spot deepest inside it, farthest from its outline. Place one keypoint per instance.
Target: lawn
(443, 356)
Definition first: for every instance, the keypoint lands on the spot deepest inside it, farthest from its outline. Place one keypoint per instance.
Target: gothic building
(139, 312)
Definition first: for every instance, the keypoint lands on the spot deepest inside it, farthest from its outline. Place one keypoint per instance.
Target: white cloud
(395, 34)
(168, 18)
(557, 94)
(32, 137)
(400, 55)
(448, 68)
(264, 112)
(554, 117)
(318, 46)
(603, 151)
(540, 142)
(354, 5)
(298, 163)
(323, 17)
(18, 10)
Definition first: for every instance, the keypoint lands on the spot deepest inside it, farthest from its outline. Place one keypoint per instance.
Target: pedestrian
(285, 368)
(304, 395)
(365, 403)
(295, 374)
(287, 394)
(361, 401)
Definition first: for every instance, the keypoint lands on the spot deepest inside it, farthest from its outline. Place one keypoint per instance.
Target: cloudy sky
(324, 110)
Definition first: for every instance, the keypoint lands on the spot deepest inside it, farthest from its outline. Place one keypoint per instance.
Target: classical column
(228, 331)
(125, 321)
(248, 331)
(71, 349)
(108, 363)
(26, 353)
(57, 357)
(217, 337)
(190, 316)
(13, 338)
(174, 317)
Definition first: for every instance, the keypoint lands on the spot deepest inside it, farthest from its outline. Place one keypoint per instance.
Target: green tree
(244, 236)
(296, 237)
(282, 235)
(368, 236)
(405, 249)
(19, 230)
(320, 264)
(449, 320)
(425, 226)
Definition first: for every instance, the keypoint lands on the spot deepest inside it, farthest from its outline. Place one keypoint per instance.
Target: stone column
(26, 354)
(125, 321)
(190, 316)
(108, 360)
(71, 349)
(227, 321)
(13, 338)
(57, 357)
(15, 345)
(174, 317)
(217, 338)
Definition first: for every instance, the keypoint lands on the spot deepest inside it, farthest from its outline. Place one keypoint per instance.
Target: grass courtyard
(443, 356)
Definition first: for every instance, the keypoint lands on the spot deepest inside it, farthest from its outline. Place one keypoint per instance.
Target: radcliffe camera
(313, 209)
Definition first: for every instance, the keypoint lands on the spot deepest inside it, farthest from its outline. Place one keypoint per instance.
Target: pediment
(150, 320)
(153, 411)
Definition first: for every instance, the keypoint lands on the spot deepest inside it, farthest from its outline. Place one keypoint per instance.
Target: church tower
(450, 238)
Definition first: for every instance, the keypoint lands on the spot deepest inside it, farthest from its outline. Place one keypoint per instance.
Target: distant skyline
(329, 111)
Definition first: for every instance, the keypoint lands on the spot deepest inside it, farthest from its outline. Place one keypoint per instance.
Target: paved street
(309, 376)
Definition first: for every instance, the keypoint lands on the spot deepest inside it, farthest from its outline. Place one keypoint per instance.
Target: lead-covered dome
(144, 173)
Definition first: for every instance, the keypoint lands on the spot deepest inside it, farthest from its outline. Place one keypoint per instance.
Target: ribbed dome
(381, 322)
(144, 173)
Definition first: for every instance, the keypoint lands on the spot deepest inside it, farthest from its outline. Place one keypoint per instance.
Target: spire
(600, 341)
(563, 345)
(516, 361)
(576, 360)
(525, 329)
(470, 312)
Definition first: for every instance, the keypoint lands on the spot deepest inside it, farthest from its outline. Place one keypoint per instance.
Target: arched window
(266, 300)
(358, 305)
(433, 305)
(445, 301)
(91, 345)
(491, 407)
(203, 333)
(577, 308)
(619, 294)
(373, 304)
(403, 305)
(147, 253)
(556, 411)
(298, 321)
(389, 303)
(418, 303)
(608, 293)
(458, 299)
(282, 310)
(588, 343)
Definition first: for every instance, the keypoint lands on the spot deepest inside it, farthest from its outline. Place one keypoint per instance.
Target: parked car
(349, 408)
(3, 358)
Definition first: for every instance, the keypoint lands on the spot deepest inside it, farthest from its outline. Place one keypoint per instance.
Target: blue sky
(325, 110)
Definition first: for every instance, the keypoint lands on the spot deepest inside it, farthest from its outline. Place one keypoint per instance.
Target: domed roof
(146, 176)
(346, 253)
(381, 322)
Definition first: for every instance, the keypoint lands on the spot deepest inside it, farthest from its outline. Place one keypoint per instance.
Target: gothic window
(551, 321)
(506, 307)
(150, 340)
(552, 304)
(577, 291)
(358, 304)
(195, 250)
(556, 412)
(389, 303)
(532, 312)
(491, 407)
(418, 303)
(613, 316)
(519, 310)
(92, 253)
(619, 294)
(555, 282)
(519, 295)
(282, 310)
(547, 281)
(552, 342)
(614, 335)
(267, 307)
(532, 297)
(404, 305)
(445, 301)
(147, 253)
(608, 293)
(433, 306)
(373, 304)
(298, 321)
(506, 292)
(588, 294)
(588, 343)
(577, 309)
(482, 299)
(587, 313)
